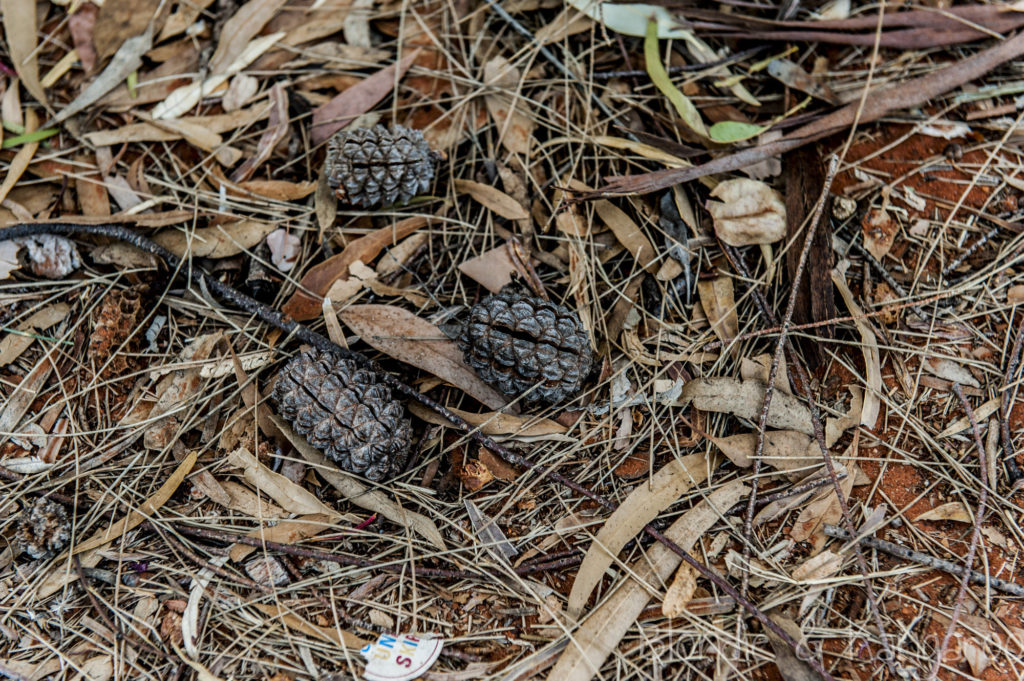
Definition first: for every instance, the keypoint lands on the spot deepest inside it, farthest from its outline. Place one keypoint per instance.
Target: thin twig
(1013, 470)
(975, 534)
(903, 552)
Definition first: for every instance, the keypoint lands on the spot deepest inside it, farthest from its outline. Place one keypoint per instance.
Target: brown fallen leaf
(880, 231)
(358, 99)
(492, 198)
(20, 29)
(745, 399)
(288, 495)
(789, 664)
(954, 511)
(278, 190)
(497, 423)
(719, 304)
(242, 27)
(679, 593)
(218, 241)
(13, 344)
(277, 129)
(410, 339)
(288, 531)
(492, 269)
(514, 127)
(318, 280)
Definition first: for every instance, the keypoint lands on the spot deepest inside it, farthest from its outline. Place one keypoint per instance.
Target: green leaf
(659, 76)
(30, 137)
(735, 131)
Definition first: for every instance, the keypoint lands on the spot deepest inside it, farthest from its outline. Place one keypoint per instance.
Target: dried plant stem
(307, 335)
(975, 534)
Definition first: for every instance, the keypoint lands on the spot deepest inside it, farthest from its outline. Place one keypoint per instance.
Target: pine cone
(43, 529)
(516, 341)
(346, 412)
(370, 167)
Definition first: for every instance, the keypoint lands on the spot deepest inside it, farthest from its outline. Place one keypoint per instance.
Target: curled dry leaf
(869, 346)
(821, 566)
(745, 399)
(642, 505)
(492, 269)
(358, 99)
(748, 212)
(218, 241)
(879, 232)
(719, 304)
(404, 336)
(13, 344)
(680, 591)
(284, 249)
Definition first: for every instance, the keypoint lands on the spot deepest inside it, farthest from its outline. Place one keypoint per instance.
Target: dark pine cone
(516, 341)
(370, 167)
(345, 412)
(43, 529)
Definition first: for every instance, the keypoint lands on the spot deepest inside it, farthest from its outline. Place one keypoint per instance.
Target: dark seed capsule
(346, 412)
(369, 167)
(522, 344)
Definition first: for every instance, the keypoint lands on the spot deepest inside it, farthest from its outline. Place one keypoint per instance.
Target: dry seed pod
(346, 412)
(523, 344)
(42, 530)
(369, 167)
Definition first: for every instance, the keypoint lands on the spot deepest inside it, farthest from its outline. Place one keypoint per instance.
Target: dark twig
(307, 335)
(903, 552)
(975, 534)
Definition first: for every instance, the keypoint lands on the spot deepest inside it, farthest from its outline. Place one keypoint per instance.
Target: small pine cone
(516, 341)
(42, 530)
(369, 167)
(116, 319)
(346, 412)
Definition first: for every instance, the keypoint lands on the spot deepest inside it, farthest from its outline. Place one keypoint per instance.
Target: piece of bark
(815, 302)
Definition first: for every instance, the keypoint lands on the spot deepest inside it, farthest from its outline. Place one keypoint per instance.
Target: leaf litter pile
(687, 339)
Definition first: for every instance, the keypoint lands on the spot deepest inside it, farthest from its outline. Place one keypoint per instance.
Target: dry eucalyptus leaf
(410, 339)
(746, 399)
(218, 241)
(821, 566)
(748, 212)
(290, 496)
(869, 346)
(492, 269)
(954, 511)
(719, 303)
(13, 344)
(514, 126)
(602, 631)
(790, 666)
(785, 450)
(680, 591)
(498, 423)
(642, 505)
(493, 199)
(951, 370)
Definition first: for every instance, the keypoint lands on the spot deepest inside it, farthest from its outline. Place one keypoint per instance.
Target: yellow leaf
(659, 76)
